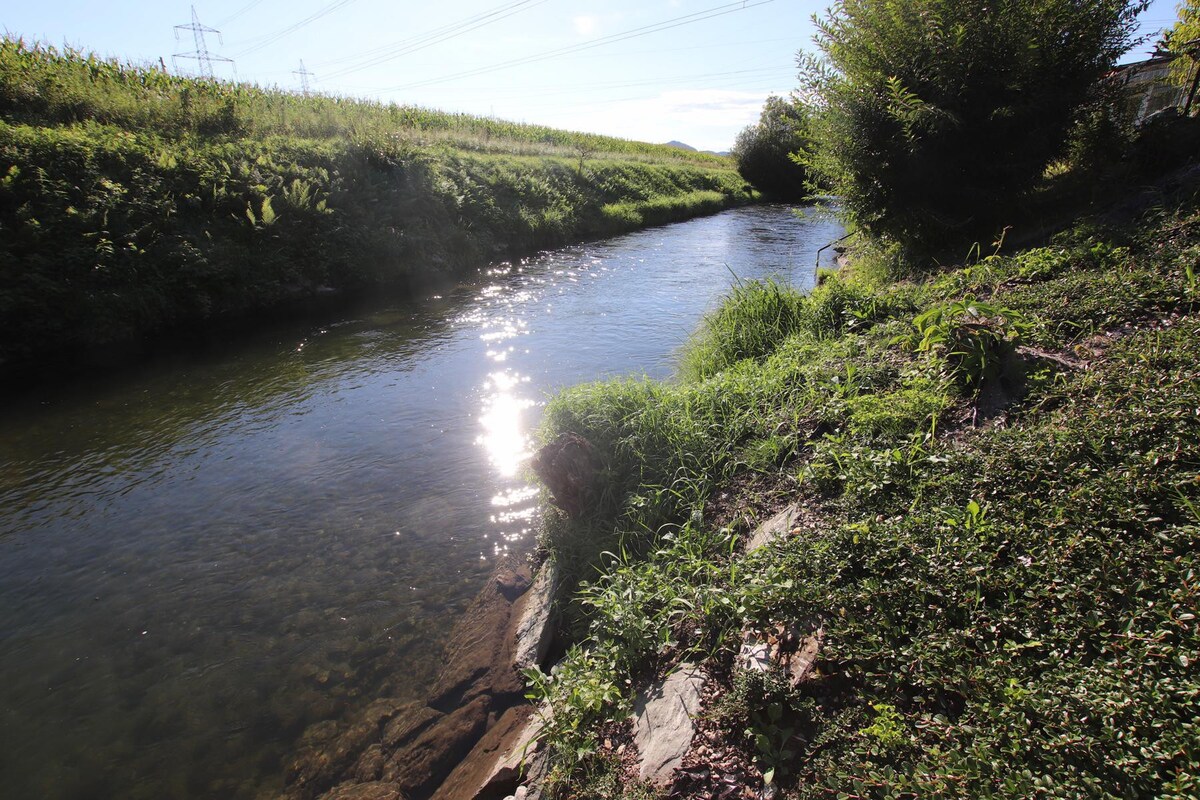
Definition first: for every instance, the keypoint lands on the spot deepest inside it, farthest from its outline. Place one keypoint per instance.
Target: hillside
(135, 202)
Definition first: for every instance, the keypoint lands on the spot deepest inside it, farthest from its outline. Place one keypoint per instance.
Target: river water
(203, 556)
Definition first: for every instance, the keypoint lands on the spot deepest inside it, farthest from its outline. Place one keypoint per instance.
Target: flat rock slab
(534, 628)
(664, 725)
(777, 527)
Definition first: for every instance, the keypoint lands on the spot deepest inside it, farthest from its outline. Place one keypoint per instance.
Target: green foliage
(763, 152)
(976, 338)
(1182, 38)
(933, 117)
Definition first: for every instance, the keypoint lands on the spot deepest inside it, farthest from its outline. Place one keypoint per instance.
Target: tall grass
(42, 85)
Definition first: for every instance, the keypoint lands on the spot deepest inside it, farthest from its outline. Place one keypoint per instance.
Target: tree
(1182, 38)
(763, 151)
(933, 117)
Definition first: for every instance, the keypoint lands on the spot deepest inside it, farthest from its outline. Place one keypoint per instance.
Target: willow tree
(935, 116)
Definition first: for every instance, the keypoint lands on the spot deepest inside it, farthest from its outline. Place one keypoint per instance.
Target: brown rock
(324, 762)
(405, 726)
(420, 767)
(793, 648)
(487, 773)
(568, 466)
(374, 790)
(479, 655)
(369, 766)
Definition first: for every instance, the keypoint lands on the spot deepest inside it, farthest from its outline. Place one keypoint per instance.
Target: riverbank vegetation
(133, 201)
(992, 461)
(998, 479)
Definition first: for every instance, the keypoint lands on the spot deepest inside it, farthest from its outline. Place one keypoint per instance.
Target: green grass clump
(1004, 567)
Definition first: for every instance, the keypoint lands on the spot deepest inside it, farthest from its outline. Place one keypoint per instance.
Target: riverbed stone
(327, 760)
(407, 725)
(774, 529)
(420, 767)
(535, 629)
(373, 790)
(479, 655)
(664, 723)
(494, 766)
(569, 466)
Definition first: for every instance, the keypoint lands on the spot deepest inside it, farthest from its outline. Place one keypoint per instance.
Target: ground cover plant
(1000, 474)
(133, 201)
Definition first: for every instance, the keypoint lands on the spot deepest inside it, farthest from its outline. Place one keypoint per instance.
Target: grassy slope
(1001, 521)
(132, 200)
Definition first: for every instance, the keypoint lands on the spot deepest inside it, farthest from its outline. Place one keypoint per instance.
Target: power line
(237, 14)
(271, 38)
(437, 36)
(646, 30)
(200, 54)
(588, 88)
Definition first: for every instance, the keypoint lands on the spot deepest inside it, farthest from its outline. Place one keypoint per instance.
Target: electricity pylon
(201, 53)
(304, 76)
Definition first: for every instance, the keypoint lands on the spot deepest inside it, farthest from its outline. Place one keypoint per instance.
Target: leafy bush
(976, 338)
(934, 117)
(763, 151)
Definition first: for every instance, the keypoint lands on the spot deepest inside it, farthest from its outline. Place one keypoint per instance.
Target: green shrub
(977, 339)
(934, 116)
(763, 151)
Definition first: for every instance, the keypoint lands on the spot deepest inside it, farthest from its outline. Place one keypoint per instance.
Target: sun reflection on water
(503, 435)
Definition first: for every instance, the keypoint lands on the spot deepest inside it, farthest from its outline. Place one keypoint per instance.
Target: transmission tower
(201, 53)
(304, 76)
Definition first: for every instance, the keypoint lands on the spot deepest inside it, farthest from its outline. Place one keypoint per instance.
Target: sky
(696, 71)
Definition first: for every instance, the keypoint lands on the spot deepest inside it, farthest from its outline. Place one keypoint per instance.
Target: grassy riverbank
(133, 201)
(999, 486)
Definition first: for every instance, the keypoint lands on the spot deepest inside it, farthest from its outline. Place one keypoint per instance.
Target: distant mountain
(691, 149)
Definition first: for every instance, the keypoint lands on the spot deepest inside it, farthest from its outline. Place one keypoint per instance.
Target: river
(202, 556)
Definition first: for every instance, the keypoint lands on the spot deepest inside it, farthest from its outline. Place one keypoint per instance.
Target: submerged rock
(397, 751)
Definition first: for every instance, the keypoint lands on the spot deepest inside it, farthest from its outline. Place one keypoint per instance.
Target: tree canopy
(934, 116)
(763, 151)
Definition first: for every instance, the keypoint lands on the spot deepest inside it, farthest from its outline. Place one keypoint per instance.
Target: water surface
(201, 557)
